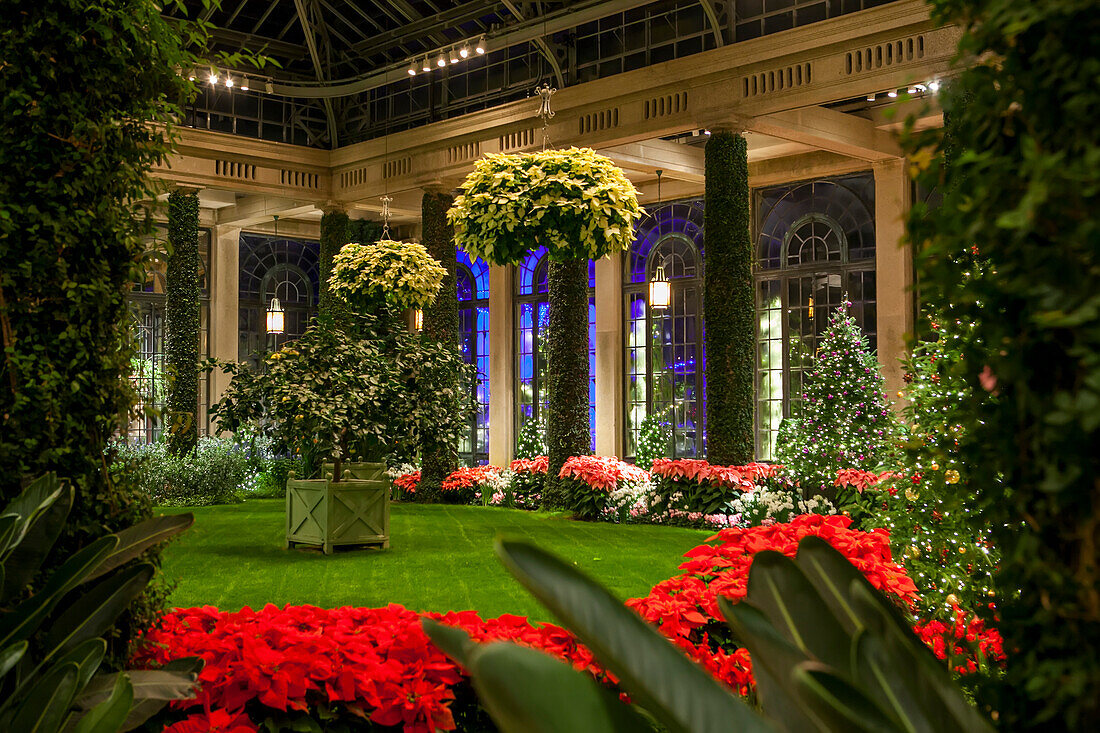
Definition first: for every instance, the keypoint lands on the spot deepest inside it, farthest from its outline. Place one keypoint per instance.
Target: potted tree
(578, 205)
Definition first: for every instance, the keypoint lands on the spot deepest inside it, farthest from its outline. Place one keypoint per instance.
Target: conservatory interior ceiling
(349, 114)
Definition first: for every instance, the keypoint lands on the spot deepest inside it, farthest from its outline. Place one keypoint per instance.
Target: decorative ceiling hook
(546, 112)
(386, 216)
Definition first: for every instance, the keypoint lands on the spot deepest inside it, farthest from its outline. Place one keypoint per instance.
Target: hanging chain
(546, 112)
(386, 216)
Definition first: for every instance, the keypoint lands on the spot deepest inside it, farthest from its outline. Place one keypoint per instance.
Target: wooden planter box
(329, 514)
(360, 470)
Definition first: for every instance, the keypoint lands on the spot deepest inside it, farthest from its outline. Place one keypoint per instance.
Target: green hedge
(728, 302)
(440, 324)
(1024, 124)
(567, 431)
(181, 306)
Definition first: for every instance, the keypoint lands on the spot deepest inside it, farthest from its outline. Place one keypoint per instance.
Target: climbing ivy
(335, 231)
(728, 301)
(567, 430)
(440, 325)
(181, 310)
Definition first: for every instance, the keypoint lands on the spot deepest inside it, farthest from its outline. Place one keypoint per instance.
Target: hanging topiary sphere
(402, 274)
(575, 202)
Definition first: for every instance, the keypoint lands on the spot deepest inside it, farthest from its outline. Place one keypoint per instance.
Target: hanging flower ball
(402, 274)
(575, 202)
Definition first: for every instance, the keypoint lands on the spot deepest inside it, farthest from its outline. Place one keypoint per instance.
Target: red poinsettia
(859, 479)
(602, 473)
(407, 482)
(692, 470)
(536, 465)
(470, 477)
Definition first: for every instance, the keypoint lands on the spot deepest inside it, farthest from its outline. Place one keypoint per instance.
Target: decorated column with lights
(728, 303)
(181, 348)
(439, 321)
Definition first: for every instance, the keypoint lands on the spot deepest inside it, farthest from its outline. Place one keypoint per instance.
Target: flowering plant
(402, 274)
(575, 202)
(593, 484)
(469, 484)
(693, 485)
(527, 479)
(407, 482)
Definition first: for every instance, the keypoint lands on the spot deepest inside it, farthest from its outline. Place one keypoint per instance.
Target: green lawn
(441, 558)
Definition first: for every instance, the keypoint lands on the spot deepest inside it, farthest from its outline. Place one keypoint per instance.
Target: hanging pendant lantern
(660, 290)
(275, 316)
(418, 320)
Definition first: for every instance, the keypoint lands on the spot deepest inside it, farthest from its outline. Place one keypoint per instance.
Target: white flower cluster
(765, 506)
(400, 470)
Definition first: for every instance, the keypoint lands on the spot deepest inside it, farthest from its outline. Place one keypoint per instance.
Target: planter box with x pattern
(329, 514)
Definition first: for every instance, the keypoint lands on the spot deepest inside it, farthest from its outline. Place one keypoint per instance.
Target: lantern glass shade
(275, 316)
(418, 320)
(660, 291)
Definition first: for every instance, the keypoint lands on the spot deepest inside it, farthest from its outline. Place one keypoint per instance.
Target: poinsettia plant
(575, 202)
(599, 485)
(401, 274)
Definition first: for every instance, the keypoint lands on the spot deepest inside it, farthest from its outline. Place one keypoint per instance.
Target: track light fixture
(228, 81)
(480, 48)
(453, 55)
(212, 78)
(464, 52)
(425, 65)
(412, 69)
(244, 84)
(441, 61)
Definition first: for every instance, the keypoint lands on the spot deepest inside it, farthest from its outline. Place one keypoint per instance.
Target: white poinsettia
(400, 273)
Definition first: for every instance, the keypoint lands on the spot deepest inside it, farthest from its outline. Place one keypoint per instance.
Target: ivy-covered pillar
(728, 303)
(441, 324)
(335, 227)
(567, 432)
(181, 347)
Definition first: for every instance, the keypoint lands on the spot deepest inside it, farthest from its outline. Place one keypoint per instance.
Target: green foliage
(575, 202)
(51, 643)
(335, 226)
(1023, 189)
(830, 653)
(181, 310)
(934, 526)
(531, 441)
(654, 438)
(218, 471)
(728, 301)
(567, 430)
(845, 421)
(440, 324)
(400, 274)
(334, 394)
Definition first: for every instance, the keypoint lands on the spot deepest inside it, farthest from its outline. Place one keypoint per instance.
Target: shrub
(694, 485)
(531, 441)
(602, 486)
(218, 472)
(654, 438)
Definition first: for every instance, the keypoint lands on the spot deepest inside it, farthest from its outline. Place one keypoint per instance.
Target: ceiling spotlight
(920, 88)
(453, 54)
(872, 97)
(441, 61)
(425, 65)
(911, 90)
(269, 87)
(213, 78)
(412, 69)
(464, 51)
(480, 48)
(891, 94)
(228, 82)
(934, 86)
(244, 84)
(190, 76)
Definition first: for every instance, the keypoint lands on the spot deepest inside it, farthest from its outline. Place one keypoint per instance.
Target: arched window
(147, 323)
(664, 347)
(473, 333)
(271, 267)
(815, 243)
(532, 318)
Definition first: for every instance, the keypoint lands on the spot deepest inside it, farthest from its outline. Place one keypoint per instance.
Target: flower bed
(353, 665)
(526, 480)
(604, 487)
(470, 485)
(693, 485)
(406, 483)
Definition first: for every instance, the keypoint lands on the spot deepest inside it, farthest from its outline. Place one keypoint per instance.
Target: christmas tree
(845, 420)
(929, 508)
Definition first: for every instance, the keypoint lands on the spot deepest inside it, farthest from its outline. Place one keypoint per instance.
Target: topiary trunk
(567, 431)
(728, 302)
(181, 348)
(438, 460)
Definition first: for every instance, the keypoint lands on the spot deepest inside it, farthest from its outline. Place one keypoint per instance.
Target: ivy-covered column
(440, 324)
(335, 227)
(181, 347)
(567, 432)
(728, 303)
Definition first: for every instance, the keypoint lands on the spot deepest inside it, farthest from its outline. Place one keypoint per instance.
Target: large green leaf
(10, 656)
(88, 656)
(894, 683)
(786, 596)
(840, 705)
(46, 705)
(452, 641)
(656, 674)
(152, 688)
(22, 622)
(24, 559)
(97, 609)
(774, 659)
(109, 715)
(9, 525)
(527, 691)
(137, 539)
(32, 501)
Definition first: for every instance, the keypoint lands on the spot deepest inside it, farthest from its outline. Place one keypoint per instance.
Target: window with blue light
(473, 331)
(532, 317)
(664, 347)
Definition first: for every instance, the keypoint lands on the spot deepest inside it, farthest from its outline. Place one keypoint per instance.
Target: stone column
(225, 279)
(502, 441)
(893, 271)
(609, 356)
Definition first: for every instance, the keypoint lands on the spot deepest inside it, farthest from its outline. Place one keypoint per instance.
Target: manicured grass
(441, 558)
